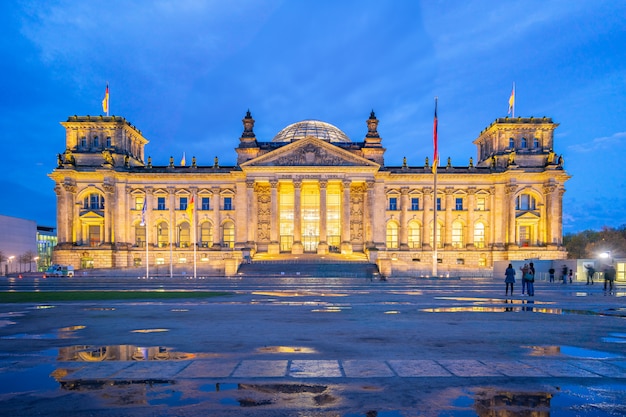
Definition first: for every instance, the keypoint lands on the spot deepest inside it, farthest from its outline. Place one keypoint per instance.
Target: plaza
(315, 346)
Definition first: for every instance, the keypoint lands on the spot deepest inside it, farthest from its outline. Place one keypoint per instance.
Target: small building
(18, 245)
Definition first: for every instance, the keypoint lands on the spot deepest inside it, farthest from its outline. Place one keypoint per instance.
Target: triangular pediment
(528, 215)
(311, 152)
(91, 215)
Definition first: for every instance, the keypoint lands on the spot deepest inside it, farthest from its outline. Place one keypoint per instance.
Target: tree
(27, 258)
(590, 244)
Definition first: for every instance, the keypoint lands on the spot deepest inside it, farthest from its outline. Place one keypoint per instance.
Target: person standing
(570, 275)
(551, 273)
(530, 285)
(564, 274)
(590, 272)
(609, 277)
(509, 278)
(525, 271)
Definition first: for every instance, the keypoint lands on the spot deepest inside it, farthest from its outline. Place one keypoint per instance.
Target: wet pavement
(316, 347)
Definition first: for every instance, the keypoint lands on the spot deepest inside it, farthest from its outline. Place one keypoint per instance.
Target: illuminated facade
(309, 190)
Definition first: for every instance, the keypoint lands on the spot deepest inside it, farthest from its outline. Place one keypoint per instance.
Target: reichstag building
(309, 190)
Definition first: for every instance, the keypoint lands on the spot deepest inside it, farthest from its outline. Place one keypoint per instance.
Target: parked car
(60, 271)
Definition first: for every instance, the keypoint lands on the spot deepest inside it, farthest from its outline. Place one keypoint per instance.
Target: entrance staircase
(309, 265)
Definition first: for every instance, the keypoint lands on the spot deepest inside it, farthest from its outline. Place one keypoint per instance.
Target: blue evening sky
(186, 71)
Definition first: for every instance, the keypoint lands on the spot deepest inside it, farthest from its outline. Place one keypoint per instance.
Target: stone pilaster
(404, 227)
(322, 247)
(346, 241)
(274, 245)
(297, 248)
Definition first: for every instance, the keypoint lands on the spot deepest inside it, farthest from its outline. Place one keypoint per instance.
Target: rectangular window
(138, 203)
(205, 203)
(161, 203)
(415, 204)
(438, 203)
(480, 204)
(228, 203)
(108, 141)
(83, 142)
(182, 203)
(458, 204)
(393, 203)
(96, 142)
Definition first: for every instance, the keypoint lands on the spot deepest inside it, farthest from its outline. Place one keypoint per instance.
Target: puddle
(392, 312)
(150, 330)
(298, 294)
(571, 351)
(34, 379)
(615, 338)
(527, 306)
(83, 353)
(218, 387)
(62, 333)
(4, 323)
(99, 309)
(286, 349)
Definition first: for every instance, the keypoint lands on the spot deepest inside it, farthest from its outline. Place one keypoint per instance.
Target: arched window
(228, 234)
(439, 232)
(392, 235)
(536, 143)
(457, 234)
(93, 201)
(163, 235)
(524, 143)
(183, 235)
(511, 143)
(140, 235)
(415, 235)
(525, 202)
(206, 235)
(479, 235)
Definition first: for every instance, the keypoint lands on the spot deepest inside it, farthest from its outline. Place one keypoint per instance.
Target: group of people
(528, 279)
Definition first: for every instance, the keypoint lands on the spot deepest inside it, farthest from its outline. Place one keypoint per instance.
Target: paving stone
(91, 371)
(603, 368)
(366, 369)
(514, 368)
(314, 369)
(151, 370)
(468, 368)
(261, 369)
(208, 369)
(559, 368)
(418, 368)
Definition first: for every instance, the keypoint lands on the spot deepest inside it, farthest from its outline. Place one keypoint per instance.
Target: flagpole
(147, 255)
(435, 164)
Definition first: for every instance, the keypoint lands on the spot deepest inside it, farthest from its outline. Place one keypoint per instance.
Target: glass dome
(315, 128)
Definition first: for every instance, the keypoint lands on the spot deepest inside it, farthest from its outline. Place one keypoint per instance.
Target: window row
(182, 235)
(459, 204)
(182, 203)
(414, 235)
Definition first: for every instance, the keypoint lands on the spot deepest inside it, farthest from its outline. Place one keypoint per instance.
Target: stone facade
(309, 190)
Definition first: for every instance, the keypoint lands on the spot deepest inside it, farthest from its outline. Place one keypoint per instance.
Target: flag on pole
(105, 101)
(143, 213)
(436, 151)
(512, 102)
(183, 161)
(189, 209)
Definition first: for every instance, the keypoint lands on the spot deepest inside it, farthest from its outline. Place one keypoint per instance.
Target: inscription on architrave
(264, 213)
(357, 201)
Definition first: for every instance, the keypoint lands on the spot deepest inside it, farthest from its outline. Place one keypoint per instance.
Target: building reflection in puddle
(83, 353)
(500, 403)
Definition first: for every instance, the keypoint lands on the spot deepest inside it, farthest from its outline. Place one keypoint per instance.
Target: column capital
(249, 183)
(323, 183)
(297, 183)
(274, 184)
(404, 190)
(511, 189)
(471, 190)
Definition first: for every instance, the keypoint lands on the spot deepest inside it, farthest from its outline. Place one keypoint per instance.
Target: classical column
(378, 209)
(193, 221)
(110, 205)
(346, 241)
(404, 227)
(251, 211)
(510, 203)
(551, 215)
(150, 236)
(471, 203)
(427, 217)
(368, 218)
(322, 247)
(297, 247)
(274, 245)
(447, 242)
(499, 213)
(217, 235)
